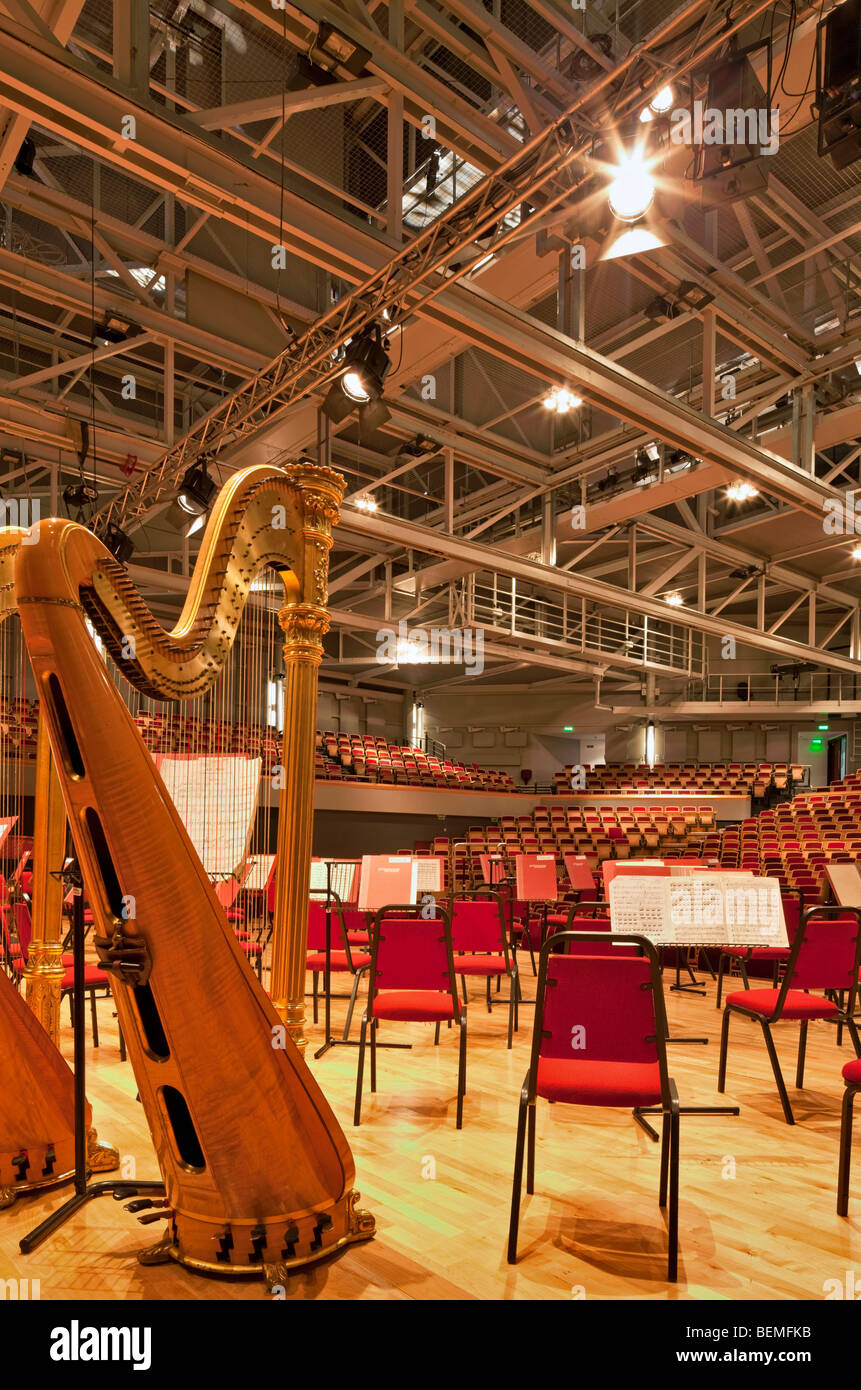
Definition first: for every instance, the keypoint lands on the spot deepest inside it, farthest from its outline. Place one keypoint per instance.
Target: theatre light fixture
(196, 489)
(741, 492)
(561, 400)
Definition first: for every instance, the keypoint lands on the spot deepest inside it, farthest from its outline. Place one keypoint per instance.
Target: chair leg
(744, 974)
(721, 969)
(512, 1008)
(94, 1018)
(665, 1160)
(351, 1005)
(489, 1004)
(673, 1224)
(845, 1152)
(314, 978)
(517, 1183)
(802, 1053)
(463, 987)
(461, 1070)
(778, 1074)
(724, 1045)
(360, 1070)
(375, 1023)
(530, 1151)
(436, 1034)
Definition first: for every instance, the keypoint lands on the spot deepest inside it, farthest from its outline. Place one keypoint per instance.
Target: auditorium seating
(371, 759)
(709, 779)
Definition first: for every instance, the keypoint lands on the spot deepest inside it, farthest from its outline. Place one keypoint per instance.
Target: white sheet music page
(703, 910)
(216, 797)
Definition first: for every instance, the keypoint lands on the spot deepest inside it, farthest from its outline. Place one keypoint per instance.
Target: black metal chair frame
(401, 911)
(670, 1108)
(843, 1016)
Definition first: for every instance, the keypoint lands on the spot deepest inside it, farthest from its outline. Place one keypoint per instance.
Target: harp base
(344, 1224)
(19, 1189)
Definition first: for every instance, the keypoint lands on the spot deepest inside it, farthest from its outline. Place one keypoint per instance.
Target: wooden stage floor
(757, 1209)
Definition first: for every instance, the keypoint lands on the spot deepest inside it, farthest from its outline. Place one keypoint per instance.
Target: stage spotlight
(662, 101)
(631, 193)
(111, 330)
(741, 492)
(674, 600)
(118, 543)
(80, 495)
(332, 49)
(365, 367)
(838, 84)
(366, 503)
(196, 490)
(561, 400)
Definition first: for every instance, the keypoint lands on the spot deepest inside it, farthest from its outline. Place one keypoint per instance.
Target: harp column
(305, 622)
(44, 971)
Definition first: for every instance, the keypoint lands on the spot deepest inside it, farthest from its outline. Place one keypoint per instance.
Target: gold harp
(256, 1168)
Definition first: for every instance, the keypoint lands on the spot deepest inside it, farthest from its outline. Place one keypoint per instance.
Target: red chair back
(317, 926)
(600, 1008)
(409, 951)
(23, 926)
(825, 952)
(478, 925)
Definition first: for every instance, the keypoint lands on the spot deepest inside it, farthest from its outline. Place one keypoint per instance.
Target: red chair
(824, 956)
(412, 981)
(342, 959)
(599, 1039)
(94, 977)
(775, 956)
(852, 1077)
(480, 946)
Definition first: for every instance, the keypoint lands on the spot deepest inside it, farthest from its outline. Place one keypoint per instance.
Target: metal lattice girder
(51, 19)
(480, 557)
(71, 101)
(411, 279)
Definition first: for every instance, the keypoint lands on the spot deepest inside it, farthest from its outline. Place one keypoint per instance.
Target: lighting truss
(406, 283)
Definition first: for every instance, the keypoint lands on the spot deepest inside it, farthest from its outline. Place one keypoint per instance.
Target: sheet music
(259, 872)
(719, 909)
(216, 797)
(342, 878)
(427, 876)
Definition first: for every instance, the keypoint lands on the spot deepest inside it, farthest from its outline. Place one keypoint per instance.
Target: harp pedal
(50, 1160)
(142, 1204)
(291, 1240)
(225, 1245)
(323, 1223)
(151, 1216)
(126, 957)
(21, 1163)
(258, 1242)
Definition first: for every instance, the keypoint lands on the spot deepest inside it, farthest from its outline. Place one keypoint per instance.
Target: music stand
(332, 896)
(120, 1188)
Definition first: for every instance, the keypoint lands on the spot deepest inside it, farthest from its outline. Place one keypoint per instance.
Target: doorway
(836, 758)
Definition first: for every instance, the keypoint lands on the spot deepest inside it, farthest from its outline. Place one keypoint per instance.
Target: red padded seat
(413, 1006)
(316, 960)
(798, 1004)
(599, 1083)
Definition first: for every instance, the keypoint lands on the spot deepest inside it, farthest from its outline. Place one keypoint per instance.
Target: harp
(256, 1168)
(37, 1103)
